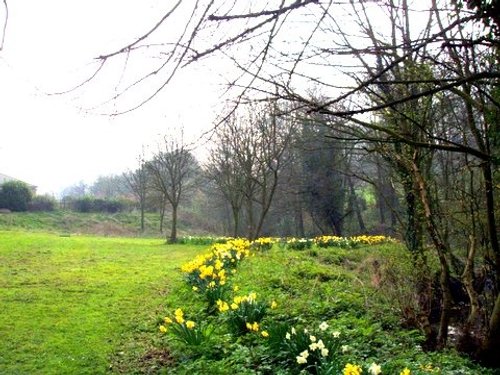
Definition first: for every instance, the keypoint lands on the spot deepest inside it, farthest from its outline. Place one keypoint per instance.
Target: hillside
(101, 224)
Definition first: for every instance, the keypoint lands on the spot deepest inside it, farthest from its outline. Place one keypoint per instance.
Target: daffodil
(274, 305)
(324, 352)
(301, 360)
(374, 369)
(163, 329)
(190, 324)
(302, 357)
(406, 371)
(351, 369)
(264, 334)
(323, 326)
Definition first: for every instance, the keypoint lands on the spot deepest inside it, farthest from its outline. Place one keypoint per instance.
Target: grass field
(74, 304)
(68, 303)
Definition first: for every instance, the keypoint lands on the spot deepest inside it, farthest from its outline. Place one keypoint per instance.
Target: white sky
(47, 140)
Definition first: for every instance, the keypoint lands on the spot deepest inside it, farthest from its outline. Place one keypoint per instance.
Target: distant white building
(5, 178)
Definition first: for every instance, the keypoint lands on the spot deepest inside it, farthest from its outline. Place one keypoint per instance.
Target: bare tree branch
(276, 12)
(4, 29)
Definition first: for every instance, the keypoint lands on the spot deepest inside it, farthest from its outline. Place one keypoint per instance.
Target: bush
(15, 195)
(42, 203)
(92, 204)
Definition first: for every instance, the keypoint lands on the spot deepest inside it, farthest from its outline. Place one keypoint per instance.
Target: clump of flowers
(314, 351)
(208, 273)
(263, 243)
(244, 313)
(185, 330)
(298, 243)
(350, 242)
(335, 241)
(373, 240)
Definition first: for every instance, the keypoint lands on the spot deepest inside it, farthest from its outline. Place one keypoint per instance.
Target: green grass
(69, 222)
(69, 303)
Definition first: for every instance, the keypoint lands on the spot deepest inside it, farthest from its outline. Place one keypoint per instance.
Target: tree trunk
(490, 213)
(142, 217)
(442, 251)
(355, 206)
(489, 353)
(173, 231)
(236, 220)
(162, 217)
(468, 280)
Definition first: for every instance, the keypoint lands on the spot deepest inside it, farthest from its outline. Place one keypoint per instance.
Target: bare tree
(247, 161)
(173, 170)
(138, 183)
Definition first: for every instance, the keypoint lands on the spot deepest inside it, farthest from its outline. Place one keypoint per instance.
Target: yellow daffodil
(163, 329)
(190, 324)
(264, 334)
(406, 371)
(274, 305)
(351, 369)
(167, 320)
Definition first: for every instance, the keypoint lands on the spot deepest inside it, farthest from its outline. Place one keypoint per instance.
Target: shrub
(15, 195)
(42, 203)
(92, 204)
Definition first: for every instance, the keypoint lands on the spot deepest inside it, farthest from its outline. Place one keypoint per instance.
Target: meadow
(81, 304)
(68, 302)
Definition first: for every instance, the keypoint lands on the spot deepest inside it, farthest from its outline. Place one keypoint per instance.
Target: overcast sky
(50, 45)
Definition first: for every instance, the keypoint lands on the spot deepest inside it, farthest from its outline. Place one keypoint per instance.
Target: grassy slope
(332, 285)
(68, 302)
(119, 224)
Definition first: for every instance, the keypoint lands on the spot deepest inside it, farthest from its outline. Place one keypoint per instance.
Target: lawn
(68, 303)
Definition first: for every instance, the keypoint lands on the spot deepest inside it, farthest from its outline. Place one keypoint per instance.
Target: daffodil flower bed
(350, 242)
(244, 322)
(186, 331)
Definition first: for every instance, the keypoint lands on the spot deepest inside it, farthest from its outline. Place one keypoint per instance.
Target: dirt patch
(156, 359)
